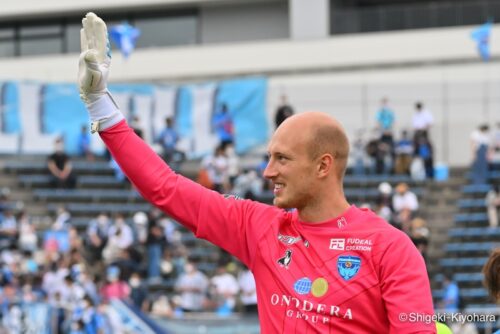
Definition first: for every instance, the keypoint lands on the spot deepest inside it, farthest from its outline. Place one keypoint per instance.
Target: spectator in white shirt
(120, 237)
(422, 121)
(192, 285)
(225, 288)
(405, 205)
(248, 297)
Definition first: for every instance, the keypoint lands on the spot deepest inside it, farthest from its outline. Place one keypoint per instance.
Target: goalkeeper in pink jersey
(326, 267)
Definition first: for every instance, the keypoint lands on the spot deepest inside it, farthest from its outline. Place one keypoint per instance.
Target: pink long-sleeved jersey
(352, 274)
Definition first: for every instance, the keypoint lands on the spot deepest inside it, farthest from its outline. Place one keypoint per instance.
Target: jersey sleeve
(235, 225)
(406, 290)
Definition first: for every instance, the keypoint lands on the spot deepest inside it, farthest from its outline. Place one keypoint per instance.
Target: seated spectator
(451, 297)
(60, 167)
(120, 237)
(63, 217)
(405, 204)
(420, 235)
(216, 166)
(161, 307)
(97, 237)
(225, 288)
(383, 203)
(248, 185)
(114, 287)
(138, 291)
(168, 139)
(28, 239)
(493, 203)
(404, 153)
(8, 229)
(193, 286)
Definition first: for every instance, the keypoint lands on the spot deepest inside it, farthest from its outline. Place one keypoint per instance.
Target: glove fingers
(83, 41)
(101, 39)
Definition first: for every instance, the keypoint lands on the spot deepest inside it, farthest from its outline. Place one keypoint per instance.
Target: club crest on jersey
(288, 239)
(286, 260)
(348, 266)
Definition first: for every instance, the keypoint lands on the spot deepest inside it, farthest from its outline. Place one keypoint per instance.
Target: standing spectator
(225, 289)
(425, 152)
(192, 285)
(233, 163)
(60, 167)
(248, 289)
(404, 153)
(422, 121)
(481, 149)
(84, 149)
(405, 204)
(358, 154)
(496, 145)
(223, 125)
(168, 139)
(451, 296)
(385, 117)
(154, 244)
(493, 203)
(284, 111)
(135, 124)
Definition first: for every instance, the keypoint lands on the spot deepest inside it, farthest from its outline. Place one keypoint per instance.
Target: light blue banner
(37, 112)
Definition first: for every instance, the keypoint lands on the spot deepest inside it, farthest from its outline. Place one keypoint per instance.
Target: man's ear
(325, 165)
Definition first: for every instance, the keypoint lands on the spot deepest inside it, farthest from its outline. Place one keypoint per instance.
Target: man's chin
(281, 204)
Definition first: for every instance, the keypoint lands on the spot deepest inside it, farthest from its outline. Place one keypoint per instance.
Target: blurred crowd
(146, 260)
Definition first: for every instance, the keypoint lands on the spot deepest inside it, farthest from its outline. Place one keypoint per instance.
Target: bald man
(325, 267)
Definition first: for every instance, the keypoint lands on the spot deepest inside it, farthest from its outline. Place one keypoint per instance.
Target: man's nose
(269, 171)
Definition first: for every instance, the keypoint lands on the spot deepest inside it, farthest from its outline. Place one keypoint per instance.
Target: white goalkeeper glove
(93, 71)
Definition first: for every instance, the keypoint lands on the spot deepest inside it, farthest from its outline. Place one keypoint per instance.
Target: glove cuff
(104, 113)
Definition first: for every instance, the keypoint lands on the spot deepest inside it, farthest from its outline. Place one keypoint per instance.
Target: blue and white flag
(124, 36)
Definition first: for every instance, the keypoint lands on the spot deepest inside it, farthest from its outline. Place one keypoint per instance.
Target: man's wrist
(104, 113)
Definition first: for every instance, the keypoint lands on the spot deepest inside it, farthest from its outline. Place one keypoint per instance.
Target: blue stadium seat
(471, 246)
(463, 262)
(85, 194)
(471, 203)
(476, 188)
(474, 232)
(471, 217)
(96, 208)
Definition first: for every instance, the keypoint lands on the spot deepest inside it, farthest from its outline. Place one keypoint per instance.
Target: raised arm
(208, 214)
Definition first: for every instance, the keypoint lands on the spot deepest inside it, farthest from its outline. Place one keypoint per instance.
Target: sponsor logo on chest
(351, 244)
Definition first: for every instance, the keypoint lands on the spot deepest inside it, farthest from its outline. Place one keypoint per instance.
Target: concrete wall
(309, 19)
(344, 75)
(245, 22)
(460, 98)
